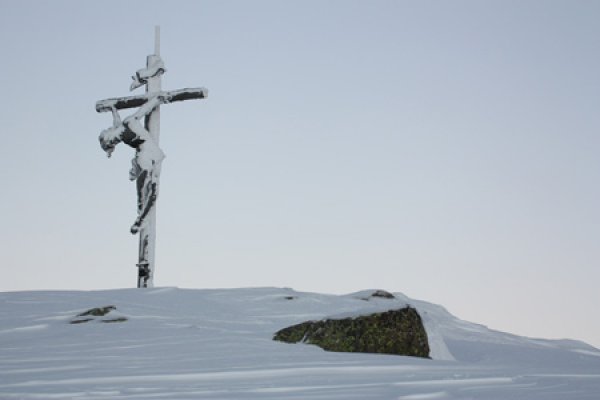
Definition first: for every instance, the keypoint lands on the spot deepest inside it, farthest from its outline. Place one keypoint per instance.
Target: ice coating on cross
(141, 131)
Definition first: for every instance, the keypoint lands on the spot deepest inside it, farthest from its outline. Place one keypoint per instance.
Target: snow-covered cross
(141, 131)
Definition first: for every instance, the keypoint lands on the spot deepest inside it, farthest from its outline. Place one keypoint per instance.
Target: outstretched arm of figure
(116, 117)
(150, 105)
(110, 137)
(145, 109)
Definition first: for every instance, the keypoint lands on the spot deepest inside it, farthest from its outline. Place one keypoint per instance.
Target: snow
(217, 344)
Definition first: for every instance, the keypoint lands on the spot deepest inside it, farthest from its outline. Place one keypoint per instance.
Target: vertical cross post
(147, 244)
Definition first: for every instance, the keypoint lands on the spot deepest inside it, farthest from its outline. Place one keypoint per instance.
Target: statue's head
(109, 138)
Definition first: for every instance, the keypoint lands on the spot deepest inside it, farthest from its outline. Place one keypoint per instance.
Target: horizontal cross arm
(120, 103)
(186, 94)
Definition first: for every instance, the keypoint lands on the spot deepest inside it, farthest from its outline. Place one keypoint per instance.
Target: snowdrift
(217, 344)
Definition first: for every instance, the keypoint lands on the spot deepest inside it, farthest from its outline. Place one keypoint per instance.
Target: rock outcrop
(399, 332)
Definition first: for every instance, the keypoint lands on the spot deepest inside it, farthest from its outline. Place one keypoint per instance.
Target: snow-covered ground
(216, 344)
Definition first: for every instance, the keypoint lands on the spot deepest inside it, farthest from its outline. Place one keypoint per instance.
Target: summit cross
(141, 131)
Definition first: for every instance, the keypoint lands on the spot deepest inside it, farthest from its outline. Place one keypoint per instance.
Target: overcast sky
(448, 150)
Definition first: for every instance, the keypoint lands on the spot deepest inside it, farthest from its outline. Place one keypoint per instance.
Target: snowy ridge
(214, 344)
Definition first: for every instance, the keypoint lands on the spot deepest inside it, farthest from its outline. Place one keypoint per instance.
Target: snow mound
(217, 344)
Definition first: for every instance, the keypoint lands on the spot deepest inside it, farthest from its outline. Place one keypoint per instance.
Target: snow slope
(216, 344)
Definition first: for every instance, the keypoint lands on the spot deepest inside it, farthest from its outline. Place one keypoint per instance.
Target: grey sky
(447, 150)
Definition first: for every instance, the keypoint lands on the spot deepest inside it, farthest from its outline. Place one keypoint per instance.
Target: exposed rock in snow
(368, 294)
(398, 332)
(99, 314)
(383, 294)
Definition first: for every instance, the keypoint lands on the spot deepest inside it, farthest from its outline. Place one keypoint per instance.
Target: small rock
(98, 314)
(383, 294)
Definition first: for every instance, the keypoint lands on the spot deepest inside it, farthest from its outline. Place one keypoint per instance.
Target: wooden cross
(144, 138)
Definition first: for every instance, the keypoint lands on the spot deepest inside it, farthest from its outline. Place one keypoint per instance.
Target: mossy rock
(399, 332)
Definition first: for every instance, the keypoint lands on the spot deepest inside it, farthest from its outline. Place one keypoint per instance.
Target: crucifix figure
(140, 131)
